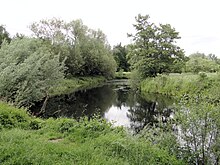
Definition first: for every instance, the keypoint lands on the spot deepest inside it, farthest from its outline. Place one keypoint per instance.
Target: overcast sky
(196, 20)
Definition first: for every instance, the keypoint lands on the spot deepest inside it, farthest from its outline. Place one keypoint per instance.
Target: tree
(62, 38)
(120, 53)
(199, 62)
(86, 50)
(49, 29)
(154, 50)
(4, 35)
(28, 71)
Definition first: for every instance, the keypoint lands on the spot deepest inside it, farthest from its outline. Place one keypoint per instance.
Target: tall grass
(184, 84)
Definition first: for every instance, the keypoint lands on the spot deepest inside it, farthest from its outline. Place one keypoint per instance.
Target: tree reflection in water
(145, 112)
(114, 101)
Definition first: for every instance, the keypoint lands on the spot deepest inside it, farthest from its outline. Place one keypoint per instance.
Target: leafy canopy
(154, 49)
(87, 51)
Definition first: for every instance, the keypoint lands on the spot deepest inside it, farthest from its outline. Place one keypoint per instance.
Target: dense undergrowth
(28, 140)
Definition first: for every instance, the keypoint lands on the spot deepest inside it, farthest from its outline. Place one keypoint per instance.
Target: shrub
(11, 117)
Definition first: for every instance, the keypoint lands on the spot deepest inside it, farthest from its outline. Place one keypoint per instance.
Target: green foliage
(202, 75)
(154, 50)
(184, 84)
(164, 136)
(86, 51)
(66, 141)
(199, 62)
(28, 71)
(11, 117)
(98, 58)
(120, 52)
(4, 35)
(196, 120)
(135, 80)
(199, 128)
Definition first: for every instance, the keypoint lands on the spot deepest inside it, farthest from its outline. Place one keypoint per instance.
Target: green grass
(184, 84)
(65, 141)
(76, 83)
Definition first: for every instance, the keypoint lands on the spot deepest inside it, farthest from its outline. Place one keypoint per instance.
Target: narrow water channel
(115, 101)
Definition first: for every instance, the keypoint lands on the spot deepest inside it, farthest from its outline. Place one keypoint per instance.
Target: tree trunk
(42, 110)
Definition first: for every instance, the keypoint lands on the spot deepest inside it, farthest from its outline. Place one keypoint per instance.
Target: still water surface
(115, 101)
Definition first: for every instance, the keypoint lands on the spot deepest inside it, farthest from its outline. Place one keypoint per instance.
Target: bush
(11, 117)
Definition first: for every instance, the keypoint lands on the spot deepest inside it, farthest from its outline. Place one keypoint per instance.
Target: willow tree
(154, 48)
(28, 71)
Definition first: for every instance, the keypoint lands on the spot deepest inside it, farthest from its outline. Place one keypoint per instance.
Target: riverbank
(178, 85)
(28, 140)
(74, 84)
(196, 113)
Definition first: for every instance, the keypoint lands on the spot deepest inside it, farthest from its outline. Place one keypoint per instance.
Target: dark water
(115, 101)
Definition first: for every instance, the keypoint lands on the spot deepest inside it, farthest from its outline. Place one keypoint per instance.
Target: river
(115, 101)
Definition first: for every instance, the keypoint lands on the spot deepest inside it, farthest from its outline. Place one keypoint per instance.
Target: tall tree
(154, 49)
